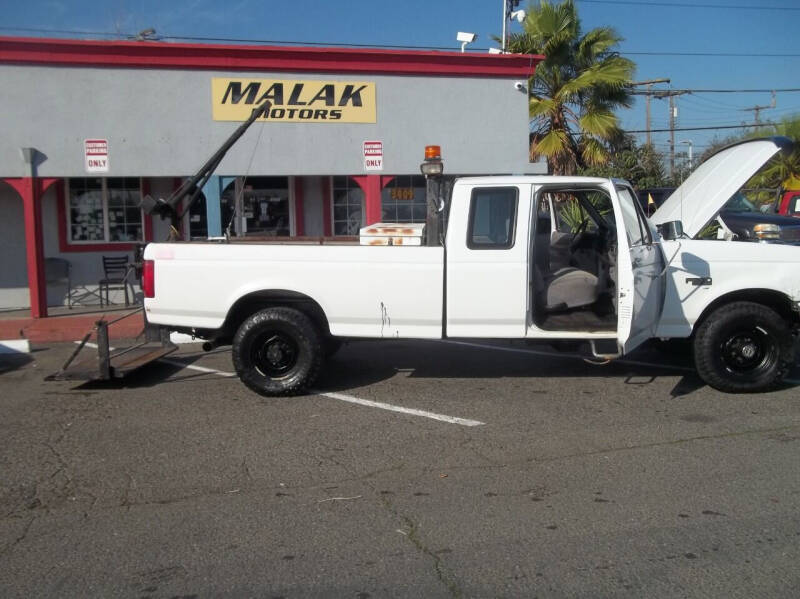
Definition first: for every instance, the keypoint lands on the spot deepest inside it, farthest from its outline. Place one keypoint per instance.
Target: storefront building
(91, 127)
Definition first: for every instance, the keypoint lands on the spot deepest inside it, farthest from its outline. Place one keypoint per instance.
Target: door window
(635, 225)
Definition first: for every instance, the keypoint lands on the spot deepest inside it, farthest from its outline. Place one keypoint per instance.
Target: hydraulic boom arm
(169, 208)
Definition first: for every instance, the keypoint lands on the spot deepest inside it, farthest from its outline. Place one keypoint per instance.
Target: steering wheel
(576, 236)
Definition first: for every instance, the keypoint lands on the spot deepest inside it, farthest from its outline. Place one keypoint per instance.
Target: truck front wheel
(277, 351)
(743, 347)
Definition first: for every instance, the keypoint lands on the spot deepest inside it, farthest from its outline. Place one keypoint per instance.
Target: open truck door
(640, 276)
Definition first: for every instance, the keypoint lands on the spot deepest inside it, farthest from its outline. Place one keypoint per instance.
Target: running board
(605, 349)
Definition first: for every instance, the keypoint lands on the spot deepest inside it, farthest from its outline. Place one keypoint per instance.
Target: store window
(103, 210)
(403, 200)
(198, 217)
(348, 206)
(265, 208)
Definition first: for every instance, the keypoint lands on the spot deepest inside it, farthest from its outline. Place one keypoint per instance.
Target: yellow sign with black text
(294, 101)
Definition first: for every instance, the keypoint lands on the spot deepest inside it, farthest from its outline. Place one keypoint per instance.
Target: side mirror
(671, 230)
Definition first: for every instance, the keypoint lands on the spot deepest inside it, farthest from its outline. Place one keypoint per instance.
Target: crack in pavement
(444, 576)
(10, 547)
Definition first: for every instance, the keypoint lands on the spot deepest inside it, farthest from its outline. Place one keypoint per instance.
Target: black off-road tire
(743, 347)
(278, 351)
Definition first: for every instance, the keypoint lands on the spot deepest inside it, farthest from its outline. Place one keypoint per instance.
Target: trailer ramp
(107, 363)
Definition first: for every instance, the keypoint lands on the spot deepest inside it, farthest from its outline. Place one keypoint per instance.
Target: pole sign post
(373, 155)
(96, 155)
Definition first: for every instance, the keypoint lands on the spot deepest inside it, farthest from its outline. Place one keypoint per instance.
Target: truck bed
(365, 291)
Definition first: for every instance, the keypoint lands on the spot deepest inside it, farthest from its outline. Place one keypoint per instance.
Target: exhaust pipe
(211, 344)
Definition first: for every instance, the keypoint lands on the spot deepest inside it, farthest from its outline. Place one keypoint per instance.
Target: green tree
(642, 166)
(575, 89)
(781, 167)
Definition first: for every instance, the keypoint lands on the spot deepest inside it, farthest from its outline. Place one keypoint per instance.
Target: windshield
(739, 203)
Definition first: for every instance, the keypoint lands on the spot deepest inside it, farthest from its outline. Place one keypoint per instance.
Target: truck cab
(552, 258)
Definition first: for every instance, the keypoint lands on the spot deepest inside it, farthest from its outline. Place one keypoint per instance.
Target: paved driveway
(508, 471)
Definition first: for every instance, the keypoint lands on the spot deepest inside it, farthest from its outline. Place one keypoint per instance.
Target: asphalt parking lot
(418, 469)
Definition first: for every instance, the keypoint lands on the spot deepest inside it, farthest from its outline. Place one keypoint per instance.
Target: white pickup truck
(524, 257)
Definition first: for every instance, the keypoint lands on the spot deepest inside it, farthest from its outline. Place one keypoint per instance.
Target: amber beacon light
(432, 165)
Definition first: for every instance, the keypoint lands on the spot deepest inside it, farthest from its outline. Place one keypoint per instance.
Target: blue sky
(648, 26)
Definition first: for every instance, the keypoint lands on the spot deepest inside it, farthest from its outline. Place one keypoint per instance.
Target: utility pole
(757, 109)
(673, 112)
(649, 83)
(673, 115)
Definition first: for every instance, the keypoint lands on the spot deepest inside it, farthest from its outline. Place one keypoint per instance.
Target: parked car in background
(740, 218)
(790, 203)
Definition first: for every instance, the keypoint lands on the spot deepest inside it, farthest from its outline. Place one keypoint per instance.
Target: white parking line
(198, 368)
(575, 356)
(402, 410)
(339, 396)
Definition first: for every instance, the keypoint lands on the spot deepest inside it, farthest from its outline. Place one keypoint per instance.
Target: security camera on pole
(465, 38)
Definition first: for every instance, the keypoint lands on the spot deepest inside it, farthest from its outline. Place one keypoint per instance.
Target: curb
(15, 346)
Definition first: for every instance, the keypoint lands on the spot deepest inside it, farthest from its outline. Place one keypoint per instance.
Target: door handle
(698, 281)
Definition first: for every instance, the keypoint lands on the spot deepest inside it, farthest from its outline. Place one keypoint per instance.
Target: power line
(741, 91)
(129, 36)
(722, 54)
(117, 35)
(690, 5)
(700, 128)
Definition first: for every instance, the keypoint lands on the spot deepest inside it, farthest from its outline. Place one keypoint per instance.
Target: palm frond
(599, 123)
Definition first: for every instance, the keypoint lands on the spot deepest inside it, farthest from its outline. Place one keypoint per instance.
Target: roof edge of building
(167, 55)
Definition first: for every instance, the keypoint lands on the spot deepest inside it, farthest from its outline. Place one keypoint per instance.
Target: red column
(373, 199)
(30, 191)
(372, 185)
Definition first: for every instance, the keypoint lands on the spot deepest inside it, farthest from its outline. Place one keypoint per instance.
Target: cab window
(492, 218)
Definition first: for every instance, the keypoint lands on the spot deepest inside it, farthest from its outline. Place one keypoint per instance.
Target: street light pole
(508, 7)
(689, 142)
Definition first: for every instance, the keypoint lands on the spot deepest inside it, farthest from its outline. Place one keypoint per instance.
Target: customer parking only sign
(373, 155)
(96, 155)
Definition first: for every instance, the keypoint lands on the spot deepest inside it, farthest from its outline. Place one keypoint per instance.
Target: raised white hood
(713, 183)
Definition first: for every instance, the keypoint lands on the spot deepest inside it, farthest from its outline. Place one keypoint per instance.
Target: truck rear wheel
(743, 347)
(277, 351)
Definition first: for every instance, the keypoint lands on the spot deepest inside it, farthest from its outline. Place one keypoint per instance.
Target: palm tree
(784, 167)
(575, 88)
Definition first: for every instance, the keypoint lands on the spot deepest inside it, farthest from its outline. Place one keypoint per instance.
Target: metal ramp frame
(108, 363)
